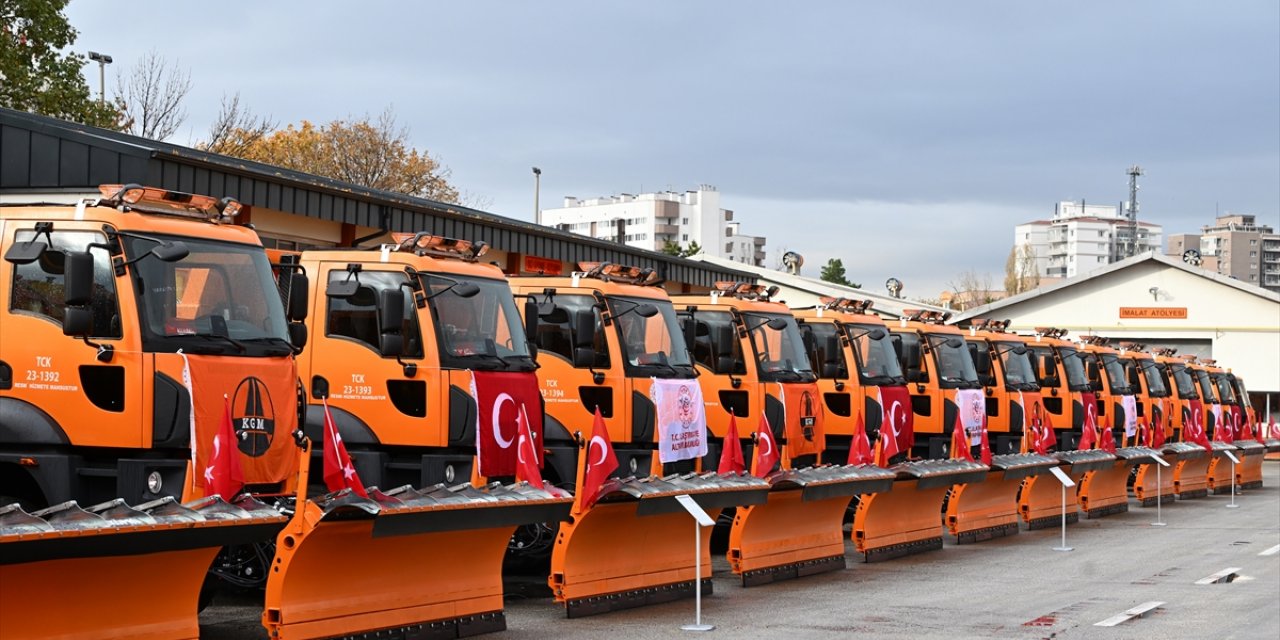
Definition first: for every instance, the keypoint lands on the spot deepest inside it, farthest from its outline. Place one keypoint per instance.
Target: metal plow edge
(1041, 502)
(1105, 491)
(408, 562)
(591, 575)
(907, 520)
(798, 531)
(989, 509)
(114, 570)
(1191, 473)
(1249, 471)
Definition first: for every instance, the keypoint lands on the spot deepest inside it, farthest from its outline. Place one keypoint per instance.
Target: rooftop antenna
(1131, 246)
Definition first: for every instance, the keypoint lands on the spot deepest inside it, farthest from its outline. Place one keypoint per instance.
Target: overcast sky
(906, 138)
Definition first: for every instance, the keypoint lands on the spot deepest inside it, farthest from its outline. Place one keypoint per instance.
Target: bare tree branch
(150, 97)
(236, 129)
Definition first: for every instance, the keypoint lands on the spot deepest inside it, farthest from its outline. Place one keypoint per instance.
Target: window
(684, 236)
(39, 287)
(556, 331)
(1101, 233)
(1253, 242)
(356, 317)
(1253, 254)
(684, 221)
(728, 247)
(1102, 259)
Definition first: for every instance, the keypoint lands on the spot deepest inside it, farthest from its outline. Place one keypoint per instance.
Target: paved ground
(1015, 587)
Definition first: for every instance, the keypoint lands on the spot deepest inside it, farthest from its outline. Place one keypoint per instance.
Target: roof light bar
(1097, 341)
(1051, 332)
(164, 202)
(1167, 352)
(986, 324)
(926, 315)
(426, 244)
(610, 272)
(746, 290)
(847, 305)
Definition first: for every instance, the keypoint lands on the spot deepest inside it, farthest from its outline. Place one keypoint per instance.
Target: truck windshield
(482, 331)
(1185, 384)
(221, 299)
(1117, 380)
(877, 361)
(1077, 379)
(1225, 391)
(1018, 373)
(1154, 373)
(954, 362)
(1206, 386)
(779, 352)
(652, 346)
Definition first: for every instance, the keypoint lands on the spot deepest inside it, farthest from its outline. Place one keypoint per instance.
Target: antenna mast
(1131, 246)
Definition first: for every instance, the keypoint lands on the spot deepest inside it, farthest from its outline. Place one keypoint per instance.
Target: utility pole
(537, 191)
(103, 60)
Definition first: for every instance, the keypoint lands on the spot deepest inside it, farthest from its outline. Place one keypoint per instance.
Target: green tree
(834, 273)
(35, 75)
(673, 248)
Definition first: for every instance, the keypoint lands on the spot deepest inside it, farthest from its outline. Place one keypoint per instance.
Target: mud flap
(908, 520)
(631, 548)
(112, 570)
(418, 562)
(989, 509)
(1249, 471)
(1144, 483)
(1106, 491)
(1191, 474)
(799, 530)
(1219, 472)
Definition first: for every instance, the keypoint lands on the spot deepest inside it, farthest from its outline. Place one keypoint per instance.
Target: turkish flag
(339, 473)
(896, 404)
(1225, 420)
(731, 460)
(1273, 428)
(766, 453)
(1193, 430)
(222, 473)
(599, 464)
(1107, 441)
(527, 468)
(986, 444)
(502, 400)
(960, 442)
(860, 446)
(1089, 432)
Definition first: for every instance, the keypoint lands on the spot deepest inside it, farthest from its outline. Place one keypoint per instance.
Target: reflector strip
(1139, 611)
(1226, 575)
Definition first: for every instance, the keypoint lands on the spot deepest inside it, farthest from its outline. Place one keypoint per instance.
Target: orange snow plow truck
(135, 328)
(609, 340)
(418, 366)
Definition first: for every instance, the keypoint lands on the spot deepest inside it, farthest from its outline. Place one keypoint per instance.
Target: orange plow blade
(908, 519)
(989, 509)
(631, 548)
(62, 569)
(1106, 491)
(407, 561)
(799, 530)
(1249, 471)
(1219, 473)
(1273, 448)
(1191, 474)
(1041, 502)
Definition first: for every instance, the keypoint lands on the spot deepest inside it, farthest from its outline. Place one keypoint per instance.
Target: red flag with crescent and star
(960, 442)
(1193, 429)
(600, 462)
(223, 475)
(339, 473)
(1089, 430)
(860, 446)
(731, 460)
(503, 399)
(896, 404)
(766, 453)
(527, 468)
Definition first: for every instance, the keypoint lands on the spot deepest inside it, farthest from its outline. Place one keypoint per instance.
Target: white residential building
(1082, 237)
(650, 220)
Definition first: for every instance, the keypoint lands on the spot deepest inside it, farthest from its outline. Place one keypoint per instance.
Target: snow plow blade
(117, 571)
(1106, 490)
(419, 563)
(1041, 500)
(1144, 483)
(989, 509)
(1273, 448)
(1191, 473)
(1249, 471)
(798, 531)
(908, 519)
(591, 574)
(1219, 472)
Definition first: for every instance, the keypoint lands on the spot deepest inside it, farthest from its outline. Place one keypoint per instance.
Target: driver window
(39, 288)
(356, 317)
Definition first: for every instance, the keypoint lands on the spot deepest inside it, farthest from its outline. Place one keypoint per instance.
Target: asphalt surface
(1013, 587)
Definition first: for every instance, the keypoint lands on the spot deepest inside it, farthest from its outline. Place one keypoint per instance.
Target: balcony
(667, 229)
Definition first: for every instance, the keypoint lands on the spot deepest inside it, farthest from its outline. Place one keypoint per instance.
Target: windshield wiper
(275, 341)
(505, 364)
(213, 336)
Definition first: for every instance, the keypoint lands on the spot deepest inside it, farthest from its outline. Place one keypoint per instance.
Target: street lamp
(537, 189)
(102, 60)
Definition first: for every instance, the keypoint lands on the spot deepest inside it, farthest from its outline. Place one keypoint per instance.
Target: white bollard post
(1066, 482)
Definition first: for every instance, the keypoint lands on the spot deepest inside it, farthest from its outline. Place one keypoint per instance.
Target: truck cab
(1060, 371)
(1109, 381)
(1003, 363)
(937, 365)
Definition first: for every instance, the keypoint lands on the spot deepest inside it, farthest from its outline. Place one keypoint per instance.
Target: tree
(236, 129)
(150, 97)
(1020, 270)
(834, 273)
(971, 290)
(370, 153)
(673, 248)
(34, 75)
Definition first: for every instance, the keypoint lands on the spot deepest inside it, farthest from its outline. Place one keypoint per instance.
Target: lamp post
(537, 191)
(103, 60)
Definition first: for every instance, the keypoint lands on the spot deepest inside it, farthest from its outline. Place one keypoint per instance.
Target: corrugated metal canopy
(38, 153)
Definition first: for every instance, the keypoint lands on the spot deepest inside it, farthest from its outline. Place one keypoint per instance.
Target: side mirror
(390, 311)
(466, 289)
(298, 335)
(1091, 369)
(299, 290)
(646, 310)
(831, 370)
(876, 334)
(689, 327)
(77, 322)
(584, 330)
(171, 251)
(342, 288)
(777, 324)
(584, 357)
(78, 274)
(25, 252)
(390, 345)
